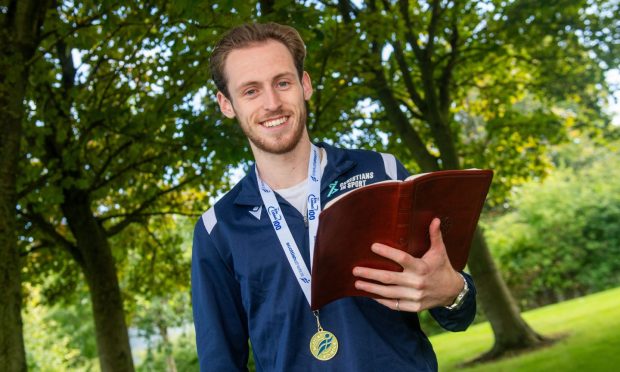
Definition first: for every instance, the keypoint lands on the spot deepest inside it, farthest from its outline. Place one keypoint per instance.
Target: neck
(280, 171)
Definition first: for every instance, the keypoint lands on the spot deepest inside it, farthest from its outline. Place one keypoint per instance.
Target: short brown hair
(253, 33)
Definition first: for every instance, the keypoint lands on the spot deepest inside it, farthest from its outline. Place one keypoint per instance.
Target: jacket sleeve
(460, 319)
(219, 317)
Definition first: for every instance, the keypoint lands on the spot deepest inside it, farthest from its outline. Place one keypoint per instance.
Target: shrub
(562, 240)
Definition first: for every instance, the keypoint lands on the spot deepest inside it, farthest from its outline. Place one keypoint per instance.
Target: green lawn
(592, 324)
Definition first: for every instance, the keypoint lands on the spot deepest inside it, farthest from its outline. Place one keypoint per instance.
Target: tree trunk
(510, 330)
(12, 355)
(100, 271)
(171, 366)
(20, 25)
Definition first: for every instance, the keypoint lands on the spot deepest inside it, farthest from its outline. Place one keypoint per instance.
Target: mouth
(276, 122)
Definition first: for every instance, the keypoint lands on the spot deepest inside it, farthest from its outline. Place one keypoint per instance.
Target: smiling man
(252, 249)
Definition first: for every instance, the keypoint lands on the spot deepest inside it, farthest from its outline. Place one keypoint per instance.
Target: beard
(280, 144)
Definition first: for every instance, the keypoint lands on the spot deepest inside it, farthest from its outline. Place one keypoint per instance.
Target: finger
(434, 231)
(401, 305)
(391, 303)
(402, 258)
(381, 276)
(387, 291)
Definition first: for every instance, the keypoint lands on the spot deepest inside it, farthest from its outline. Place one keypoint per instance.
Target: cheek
(244, 113)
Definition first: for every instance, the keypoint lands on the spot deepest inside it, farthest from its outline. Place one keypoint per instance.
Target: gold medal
(324, 344)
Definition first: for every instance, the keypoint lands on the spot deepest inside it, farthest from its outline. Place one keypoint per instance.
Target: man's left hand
(424, 283)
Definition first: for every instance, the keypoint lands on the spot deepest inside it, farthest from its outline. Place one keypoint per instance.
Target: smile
(275, 122)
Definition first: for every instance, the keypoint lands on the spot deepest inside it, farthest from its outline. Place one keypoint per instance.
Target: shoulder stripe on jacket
(389, 162)
(209, 219)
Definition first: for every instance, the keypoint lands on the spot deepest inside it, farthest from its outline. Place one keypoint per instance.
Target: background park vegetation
(111, 146)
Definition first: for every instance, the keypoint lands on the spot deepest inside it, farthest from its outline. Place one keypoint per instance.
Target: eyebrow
(256, 82)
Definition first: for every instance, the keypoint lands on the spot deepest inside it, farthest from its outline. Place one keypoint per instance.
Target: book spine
(403, 218)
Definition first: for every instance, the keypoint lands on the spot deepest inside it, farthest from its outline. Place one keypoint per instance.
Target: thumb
(436, 238)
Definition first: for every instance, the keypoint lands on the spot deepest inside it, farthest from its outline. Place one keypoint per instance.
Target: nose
(271, 100)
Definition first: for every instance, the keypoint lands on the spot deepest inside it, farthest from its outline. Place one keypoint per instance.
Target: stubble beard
(279, 145)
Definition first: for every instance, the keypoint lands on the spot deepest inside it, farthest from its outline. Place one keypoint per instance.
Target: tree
(20, 29)
(466, 83)
(116, 139)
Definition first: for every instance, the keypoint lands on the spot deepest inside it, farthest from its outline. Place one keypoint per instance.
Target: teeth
(273, 123)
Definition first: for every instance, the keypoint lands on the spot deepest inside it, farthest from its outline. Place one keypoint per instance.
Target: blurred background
(112, 146)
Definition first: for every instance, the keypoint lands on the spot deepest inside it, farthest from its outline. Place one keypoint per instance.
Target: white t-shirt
(296, 195)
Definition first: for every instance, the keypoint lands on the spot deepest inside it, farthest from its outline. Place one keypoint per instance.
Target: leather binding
(398, 214)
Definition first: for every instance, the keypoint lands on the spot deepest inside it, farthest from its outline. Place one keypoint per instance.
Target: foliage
(467, 84)
(120, 107)
(155, 277)
(59, 337)
(121, 125)
(591, 325)
(184, 348)
(558, 240)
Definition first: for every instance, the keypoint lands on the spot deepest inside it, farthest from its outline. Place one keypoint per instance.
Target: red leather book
(398, 214)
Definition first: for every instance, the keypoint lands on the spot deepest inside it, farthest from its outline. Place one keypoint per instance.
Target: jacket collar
(338, 162)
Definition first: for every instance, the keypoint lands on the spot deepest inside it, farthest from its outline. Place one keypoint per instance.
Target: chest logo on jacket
(354, 182)
(256, 211)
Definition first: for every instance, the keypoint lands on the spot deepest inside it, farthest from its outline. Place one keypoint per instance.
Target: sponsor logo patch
(357, 181)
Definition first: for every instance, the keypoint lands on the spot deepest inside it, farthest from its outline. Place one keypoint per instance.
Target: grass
(591, 325)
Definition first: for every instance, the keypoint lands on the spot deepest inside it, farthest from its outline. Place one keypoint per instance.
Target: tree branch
(446, 76)
(37, 247)
(346, 8)
(50, 231)
(411, 110)
(147, 214)
(106, 163)
(124, 170)
(136, 214)
(432, 28)
(38, 183)
(415, 145)
(411, 40)
(404, 68)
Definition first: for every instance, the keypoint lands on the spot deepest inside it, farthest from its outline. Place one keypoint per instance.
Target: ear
(225, 105)
(307, 86)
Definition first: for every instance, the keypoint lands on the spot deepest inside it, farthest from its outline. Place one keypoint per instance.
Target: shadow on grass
(496, 354)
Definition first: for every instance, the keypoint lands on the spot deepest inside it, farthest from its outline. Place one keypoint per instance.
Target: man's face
(266, 96)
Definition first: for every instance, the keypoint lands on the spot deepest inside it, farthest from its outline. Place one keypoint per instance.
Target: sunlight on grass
(591, 323)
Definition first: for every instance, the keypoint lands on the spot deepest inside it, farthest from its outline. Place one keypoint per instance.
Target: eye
(250, 92)
(283, 84)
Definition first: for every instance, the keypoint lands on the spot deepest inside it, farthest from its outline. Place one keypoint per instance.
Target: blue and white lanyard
(281, 228)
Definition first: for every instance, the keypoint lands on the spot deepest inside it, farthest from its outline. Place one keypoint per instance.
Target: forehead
(258, 62)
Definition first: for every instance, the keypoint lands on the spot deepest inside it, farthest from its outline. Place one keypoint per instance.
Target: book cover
(398, 214)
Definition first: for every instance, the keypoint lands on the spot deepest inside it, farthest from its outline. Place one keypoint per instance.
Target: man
(247, 248)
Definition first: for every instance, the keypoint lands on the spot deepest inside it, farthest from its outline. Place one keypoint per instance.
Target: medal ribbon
(278, 222)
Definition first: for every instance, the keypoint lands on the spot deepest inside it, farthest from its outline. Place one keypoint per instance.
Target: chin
(280, 145)
(277, 147)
